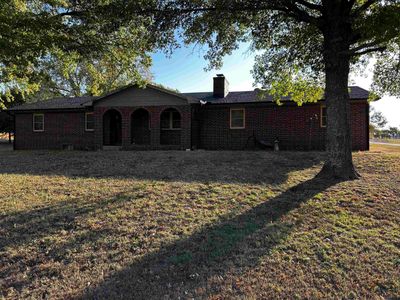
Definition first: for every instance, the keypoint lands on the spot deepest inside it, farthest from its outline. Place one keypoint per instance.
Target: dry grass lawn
(385, 148)
(216, 225)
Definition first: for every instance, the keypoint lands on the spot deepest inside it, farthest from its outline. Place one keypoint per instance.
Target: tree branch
(363, 7)
(310, 5)
(364, 49)
(301, 15)
(376, 49)
(291, 8)
(363, 46)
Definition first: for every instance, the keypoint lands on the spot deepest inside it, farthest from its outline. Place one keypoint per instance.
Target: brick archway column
(98, 127)
(186, 124)
(125, 124)
(154, 126)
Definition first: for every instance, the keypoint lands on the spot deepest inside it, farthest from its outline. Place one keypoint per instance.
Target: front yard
(218, 225)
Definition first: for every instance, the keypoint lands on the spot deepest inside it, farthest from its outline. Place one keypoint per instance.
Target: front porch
(143, 128)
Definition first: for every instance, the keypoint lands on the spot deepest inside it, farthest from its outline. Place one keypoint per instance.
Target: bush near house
(217, 225)
(6, 126)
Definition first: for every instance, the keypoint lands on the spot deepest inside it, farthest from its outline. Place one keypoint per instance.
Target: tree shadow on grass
(253, 167)
(35, 227)
(20, 228)
(182, 268)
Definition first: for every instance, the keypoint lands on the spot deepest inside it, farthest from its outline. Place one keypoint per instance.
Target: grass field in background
(384, 148)
(389, 141)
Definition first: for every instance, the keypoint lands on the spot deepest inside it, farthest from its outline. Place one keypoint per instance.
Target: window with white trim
(89, 121)
(237, 118)
(38, 122)
(170, 119)
(323, 116)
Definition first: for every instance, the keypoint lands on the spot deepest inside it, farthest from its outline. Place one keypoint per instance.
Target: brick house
(156, 118)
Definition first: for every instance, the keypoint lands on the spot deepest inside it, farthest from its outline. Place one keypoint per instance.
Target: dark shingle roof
(252, 96)
(82, 102)
(56, 103)
(233, 97)
(357, 92)
(154, 87)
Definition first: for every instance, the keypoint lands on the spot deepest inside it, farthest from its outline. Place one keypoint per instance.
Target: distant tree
(37, 34)
(6, 124)
(74, 75)
(372, 130)
(378, 119)
(6, 120)
(387, 133)
(394, 132)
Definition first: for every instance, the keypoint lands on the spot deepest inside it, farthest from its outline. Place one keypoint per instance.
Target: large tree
(308, 46)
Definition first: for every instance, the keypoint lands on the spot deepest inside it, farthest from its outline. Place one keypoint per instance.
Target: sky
(184, 70)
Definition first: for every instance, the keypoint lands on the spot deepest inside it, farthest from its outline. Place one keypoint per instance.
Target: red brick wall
(60, 129)
(296, 127)
(155, 132)
(359, 125)
(202, 127)
(196, 123)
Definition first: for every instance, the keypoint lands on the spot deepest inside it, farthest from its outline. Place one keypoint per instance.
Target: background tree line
(377, 126)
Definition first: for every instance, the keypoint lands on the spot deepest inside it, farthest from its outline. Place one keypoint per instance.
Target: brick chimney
(221, 86)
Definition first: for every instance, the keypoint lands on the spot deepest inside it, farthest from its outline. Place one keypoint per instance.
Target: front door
(112, 128)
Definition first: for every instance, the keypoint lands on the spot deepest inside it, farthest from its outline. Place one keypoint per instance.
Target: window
(38, 122)
(323, 116)
(237, 119)
(170, 119)
(89, 121)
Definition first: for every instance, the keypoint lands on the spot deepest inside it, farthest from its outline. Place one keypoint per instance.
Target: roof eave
(190, 100)
(274, 102)
(83, 108)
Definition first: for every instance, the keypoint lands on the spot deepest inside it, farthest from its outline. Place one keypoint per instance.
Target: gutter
(12, 112)
(285, 102)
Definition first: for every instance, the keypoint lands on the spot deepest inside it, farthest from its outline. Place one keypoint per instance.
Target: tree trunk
(339, 163)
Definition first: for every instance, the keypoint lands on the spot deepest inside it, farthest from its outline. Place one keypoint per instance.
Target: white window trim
(244, 118)
(320, 123)
(33, 122)
(86, 114)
